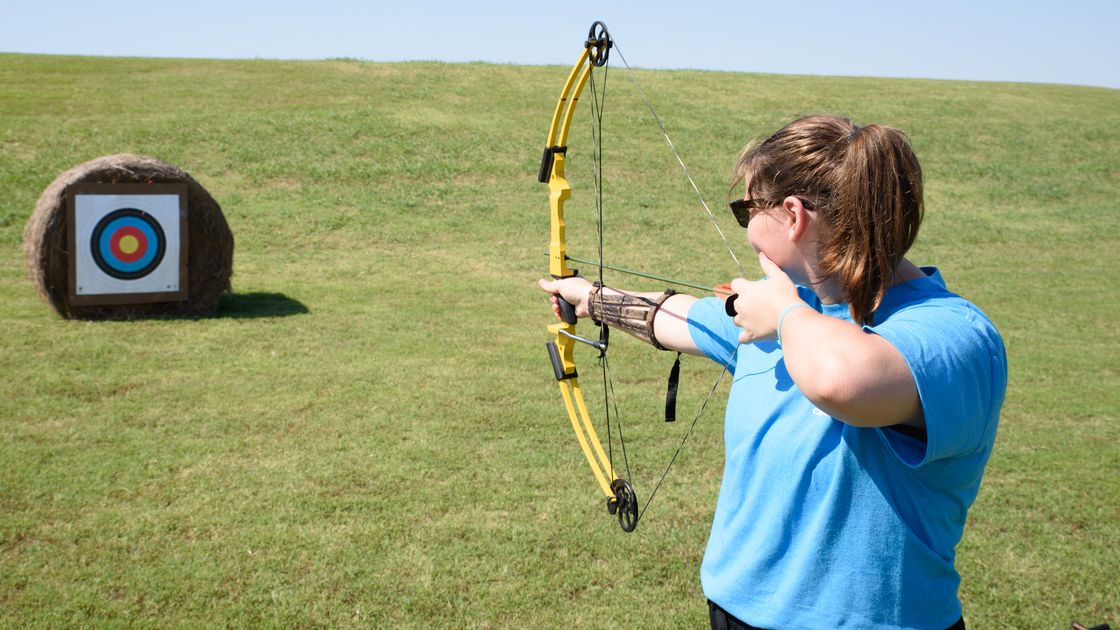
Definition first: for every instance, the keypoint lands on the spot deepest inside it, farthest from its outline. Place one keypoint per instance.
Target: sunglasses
(741, 208)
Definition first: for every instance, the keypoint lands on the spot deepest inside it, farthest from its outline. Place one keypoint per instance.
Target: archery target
(126, 244)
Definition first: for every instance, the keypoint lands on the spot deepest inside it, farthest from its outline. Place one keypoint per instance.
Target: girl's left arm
(670, 324)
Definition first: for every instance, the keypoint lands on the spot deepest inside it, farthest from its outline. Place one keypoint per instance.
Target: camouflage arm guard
(628, 312)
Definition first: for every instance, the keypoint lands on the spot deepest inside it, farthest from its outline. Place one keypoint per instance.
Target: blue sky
(1073, 42)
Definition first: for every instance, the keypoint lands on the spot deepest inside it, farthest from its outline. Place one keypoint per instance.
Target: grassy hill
(368, 433)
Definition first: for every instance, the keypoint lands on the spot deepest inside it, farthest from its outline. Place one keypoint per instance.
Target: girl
(865, 399)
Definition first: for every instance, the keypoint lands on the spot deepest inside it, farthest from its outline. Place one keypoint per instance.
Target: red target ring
(128, 244)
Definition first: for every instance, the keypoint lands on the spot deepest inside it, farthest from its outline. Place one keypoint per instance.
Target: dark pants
(722, 620)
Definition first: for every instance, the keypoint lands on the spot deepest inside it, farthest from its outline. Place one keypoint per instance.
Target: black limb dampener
(624, 503)
(546, 162)
(558, 362)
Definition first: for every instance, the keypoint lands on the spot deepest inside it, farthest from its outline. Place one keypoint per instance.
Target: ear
(798, 218)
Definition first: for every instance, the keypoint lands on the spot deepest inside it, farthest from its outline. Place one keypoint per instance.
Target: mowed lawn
(368, 433)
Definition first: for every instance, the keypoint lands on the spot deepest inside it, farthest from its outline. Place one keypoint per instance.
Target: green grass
(368, 434)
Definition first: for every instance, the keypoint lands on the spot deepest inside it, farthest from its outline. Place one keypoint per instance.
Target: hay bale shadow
(254, 305)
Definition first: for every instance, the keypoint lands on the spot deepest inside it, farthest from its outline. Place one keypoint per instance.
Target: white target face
(126, 244)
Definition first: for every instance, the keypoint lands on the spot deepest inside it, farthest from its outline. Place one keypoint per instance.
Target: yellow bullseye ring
(129, 244)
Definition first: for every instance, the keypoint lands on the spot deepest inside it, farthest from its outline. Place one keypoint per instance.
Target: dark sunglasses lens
(742, 211)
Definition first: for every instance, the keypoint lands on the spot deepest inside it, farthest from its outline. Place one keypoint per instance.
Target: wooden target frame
(128, 243)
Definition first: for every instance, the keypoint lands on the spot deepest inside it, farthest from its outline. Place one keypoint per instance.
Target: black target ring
(128, 244)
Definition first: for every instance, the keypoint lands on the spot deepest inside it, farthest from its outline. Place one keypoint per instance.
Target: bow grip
(567, 311)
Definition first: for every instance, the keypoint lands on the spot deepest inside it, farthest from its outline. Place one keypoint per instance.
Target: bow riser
(557, 246)
(553, 164)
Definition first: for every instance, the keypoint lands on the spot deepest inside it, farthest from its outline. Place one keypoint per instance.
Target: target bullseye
(128, 244)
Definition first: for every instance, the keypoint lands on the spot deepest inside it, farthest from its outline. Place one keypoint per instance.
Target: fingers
(572, 290)
(769, 268)
(550, 287)
(759, 301)
(740, 286)
(737, 304)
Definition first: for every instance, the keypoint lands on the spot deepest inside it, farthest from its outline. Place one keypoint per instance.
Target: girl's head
(863, 188)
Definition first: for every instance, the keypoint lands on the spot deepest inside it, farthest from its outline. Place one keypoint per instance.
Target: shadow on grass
(248, 305)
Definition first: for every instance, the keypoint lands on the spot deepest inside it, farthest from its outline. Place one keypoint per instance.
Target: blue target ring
(128, 244)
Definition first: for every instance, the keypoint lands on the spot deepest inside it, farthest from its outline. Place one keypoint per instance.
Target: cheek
(757, 236)
(755, 245)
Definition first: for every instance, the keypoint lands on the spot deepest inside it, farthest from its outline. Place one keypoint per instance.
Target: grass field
(368, 433)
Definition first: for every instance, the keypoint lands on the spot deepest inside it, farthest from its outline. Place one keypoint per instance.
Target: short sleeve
(960, 368)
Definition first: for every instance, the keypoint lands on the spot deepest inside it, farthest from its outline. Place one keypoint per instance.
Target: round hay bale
(210, 242)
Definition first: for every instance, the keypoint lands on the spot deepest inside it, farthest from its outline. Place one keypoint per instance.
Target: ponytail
(864, 188)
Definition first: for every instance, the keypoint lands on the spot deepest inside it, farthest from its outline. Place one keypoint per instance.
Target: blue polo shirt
(821, 524)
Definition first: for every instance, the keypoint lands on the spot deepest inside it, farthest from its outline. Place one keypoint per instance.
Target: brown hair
(864, 187)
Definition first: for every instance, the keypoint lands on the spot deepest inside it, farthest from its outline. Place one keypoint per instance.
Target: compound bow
(621, 498)
(620, 495)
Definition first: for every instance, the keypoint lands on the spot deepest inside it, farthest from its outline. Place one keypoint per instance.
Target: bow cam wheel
(599, 41)
(625, 504)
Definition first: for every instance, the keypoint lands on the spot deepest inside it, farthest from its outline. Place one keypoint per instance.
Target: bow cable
(598, 102)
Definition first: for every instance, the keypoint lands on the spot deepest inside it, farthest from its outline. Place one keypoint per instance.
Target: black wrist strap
(671, 394)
